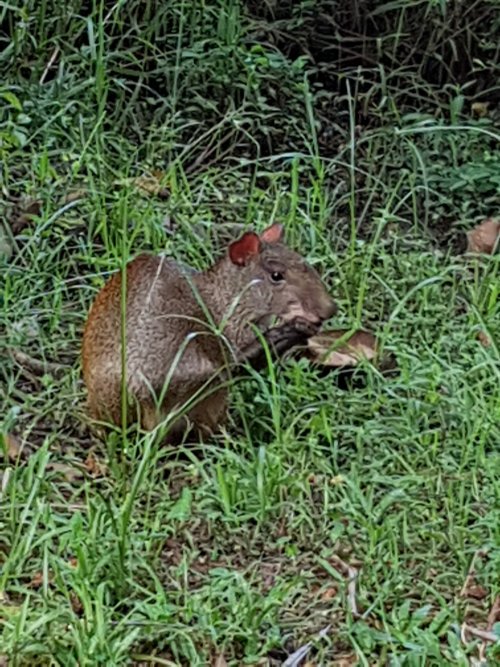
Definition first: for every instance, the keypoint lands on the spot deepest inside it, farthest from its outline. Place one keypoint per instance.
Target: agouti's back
(182, 329)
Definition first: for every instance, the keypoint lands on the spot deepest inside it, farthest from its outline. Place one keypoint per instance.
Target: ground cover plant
(371, 131)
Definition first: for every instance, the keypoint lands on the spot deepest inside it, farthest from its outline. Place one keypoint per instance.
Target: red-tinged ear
(272, 234)
(242, 250)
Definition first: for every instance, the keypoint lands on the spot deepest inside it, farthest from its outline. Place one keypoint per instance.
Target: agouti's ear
(272, 234)
(242, 250)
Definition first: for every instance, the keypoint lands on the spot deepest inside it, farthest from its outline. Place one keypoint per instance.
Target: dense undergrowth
(371, 131)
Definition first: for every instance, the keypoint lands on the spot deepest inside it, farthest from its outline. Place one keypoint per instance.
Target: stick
(351, 573)
(54, 55)
(35, 365)
(480, 553)
(485, 635)
(492, 619)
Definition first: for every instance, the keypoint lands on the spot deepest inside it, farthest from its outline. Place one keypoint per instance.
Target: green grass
(143, 554)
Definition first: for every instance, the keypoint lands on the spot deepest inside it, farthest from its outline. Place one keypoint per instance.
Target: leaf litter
(339, 348)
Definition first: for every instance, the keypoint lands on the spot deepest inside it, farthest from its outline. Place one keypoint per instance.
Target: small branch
(52, 58)
(351, 573)
(35, 365)
(493, 616)
(155, 659)
(485, 635)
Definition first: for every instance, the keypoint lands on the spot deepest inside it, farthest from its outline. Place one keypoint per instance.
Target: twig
(297, 656)
(154, 659)
(494, 613)
(52, 58)
(485, 635)
(4, 481)
(351, 573)
(35, 365)
(469, 579)
(492, 619)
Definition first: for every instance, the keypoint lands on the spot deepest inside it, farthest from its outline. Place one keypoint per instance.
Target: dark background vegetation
(228, 80)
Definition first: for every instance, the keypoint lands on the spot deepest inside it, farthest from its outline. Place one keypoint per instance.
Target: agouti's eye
(277, 277)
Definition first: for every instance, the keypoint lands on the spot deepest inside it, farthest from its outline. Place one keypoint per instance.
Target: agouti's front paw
(305, 327)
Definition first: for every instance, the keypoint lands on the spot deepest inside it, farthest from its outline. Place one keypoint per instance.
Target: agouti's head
(276, 283)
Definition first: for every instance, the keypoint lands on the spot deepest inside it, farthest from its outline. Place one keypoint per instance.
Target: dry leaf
(151, 184)
(337, 480)
(74, 196)
(483, 238)
(69, 472)
(480, 109)
(12, 446)
(76, 603)
(24, 213)
(494, 614)
(484, 339)
(476, 592)
(361, 345)
(94, 467)
(36, 580)
(329, 594)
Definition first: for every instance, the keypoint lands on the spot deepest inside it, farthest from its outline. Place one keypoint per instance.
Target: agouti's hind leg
(152, 416)
(209, 414)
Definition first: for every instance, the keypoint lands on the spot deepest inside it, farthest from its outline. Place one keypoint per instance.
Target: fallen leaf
(484, 339)
(337, 480)
(69, 472)
(151, 184)
(329, 594)
(94, 467)
(484, 237)
(326, 351)
(480, 109)
(74, 196)
(36, 580)
(24, 213)
(11, 445)
(476, 592)
(76, 603)
(494, 614)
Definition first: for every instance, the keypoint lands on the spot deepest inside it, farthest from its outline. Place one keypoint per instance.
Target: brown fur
(203, 318)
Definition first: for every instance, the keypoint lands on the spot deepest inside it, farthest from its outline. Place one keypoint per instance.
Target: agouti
(185, 330)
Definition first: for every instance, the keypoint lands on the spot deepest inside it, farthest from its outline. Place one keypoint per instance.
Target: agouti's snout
(323, 310)
(309, 300)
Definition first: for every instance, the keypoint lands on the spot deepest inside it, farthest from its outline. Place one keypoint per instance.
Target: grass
(127, 552)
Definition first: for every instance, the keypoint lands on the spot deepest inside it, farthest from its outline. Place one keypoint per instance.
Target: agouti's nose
(329, 309)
